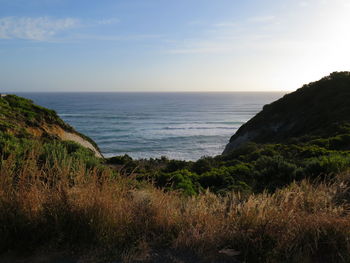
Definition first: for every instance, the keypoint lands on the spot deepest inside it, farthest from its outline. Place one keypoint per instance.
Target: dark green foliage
(274, 172)
(227, 178)
(250, 168)
(203, 165)
(182, 180)
(175, 165)
(121, 160)
(325, 165)
(319, 109)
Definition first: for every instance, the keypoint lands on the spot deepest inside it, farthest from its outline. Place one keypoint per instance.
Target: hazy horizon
(171, 46)
(218, 92)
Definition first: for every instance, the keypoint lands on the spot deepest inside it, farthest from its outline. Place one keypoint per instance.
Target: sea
(183, 126)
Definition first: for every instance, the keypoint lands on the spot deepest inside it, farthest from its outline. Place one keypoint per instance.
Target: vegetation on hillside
(318, 109)
(316, 145)
(282, 200)
(17, 114)
(60, 202)
(252, 168)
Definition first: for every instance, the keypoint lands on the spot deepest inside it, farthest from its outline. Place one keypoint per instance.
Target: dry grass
(64, 206)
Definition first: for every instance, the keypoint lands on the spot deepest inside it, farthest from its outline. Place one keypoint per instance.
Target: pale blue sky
(166, 45)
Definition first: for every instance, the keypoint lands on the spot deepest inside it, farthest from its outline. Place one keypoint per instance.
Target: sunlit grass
(63, 204)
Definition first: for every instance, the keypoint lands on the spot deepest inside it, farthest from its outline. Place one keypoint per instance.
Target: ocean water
(182, 126)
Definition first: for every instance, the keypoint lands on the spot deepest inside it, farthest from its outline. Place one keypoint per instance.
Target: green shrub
(183, 180)
(227, 178)
(274, 172)
(203, 165)
(325, 165)
(120, 160)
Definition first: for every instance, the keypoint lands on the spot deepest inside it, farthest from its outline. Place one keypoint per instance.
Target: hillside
(278, 198)
(320, 109)
(20, 117)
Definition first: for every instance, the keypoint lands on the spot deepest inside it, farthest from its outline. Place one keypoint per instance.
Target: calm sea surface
(177, 125)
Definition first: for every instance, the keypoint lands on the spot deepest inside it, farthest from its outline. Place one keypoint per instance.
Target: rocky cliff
(317, 110)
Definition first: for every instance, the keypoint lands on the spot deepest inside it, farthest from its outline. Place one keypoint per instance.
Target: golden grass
(64, 206)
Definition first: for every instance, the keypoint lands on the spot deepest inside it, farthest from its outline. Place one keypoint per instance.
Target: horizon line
(238, 91)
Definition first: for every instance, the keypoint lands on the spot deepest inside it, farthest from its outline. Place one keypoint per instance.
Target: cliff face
(23, 118)
(317, 110)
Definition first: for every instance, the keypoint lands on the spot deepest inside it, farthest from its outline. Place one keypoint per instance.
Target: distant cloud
(304, 3)
(226, 24)
(39, 28)
(230, 36)
(262, 19)
(108, 21)
(139, 37)
(201, 50)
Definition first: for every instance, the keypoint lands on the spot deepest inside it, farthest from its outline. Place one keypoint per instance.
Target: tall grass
(61, 203)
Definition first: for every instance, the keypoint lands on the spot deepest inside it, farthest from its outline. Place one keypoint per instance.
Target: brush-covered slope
(318, 110)
(22, 118)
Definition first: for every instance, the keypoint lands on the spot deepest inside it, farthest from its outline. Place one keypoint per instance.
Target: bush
(227, 178)
(274, 172)
(121, 160)
(182, 180)
(324, 165)
(203, 165)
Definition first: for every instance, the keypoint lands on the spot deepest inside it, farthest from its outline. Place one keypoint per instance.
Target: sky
(169, 46)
